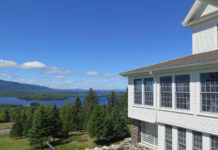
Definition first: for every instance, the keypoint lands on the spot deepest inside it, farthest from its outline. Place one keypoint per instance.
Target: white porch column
(206, 141)
(175, 138)
(161, 137)
(188, 140)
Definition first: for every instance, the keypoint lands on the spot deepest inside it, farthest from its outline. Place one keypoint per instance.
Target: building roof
(193, 59)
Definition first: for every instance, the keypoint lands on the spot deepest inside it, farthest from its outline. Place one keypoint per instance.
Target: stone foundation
(125, 145)
(136, 132)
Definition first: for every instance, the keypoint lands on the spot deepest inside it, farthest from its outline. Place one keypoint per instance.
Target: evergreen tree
(91, 100)
(123, 106)
(2, 116)
(112, 99)
(120, 125)
(77, 113)
(78, 103)
(17, 127)
(96, 123)
(66, 114)
(28, 121)
(7, 117)
(48, 110)
(108, 132)
(56, 123)
(39, 132)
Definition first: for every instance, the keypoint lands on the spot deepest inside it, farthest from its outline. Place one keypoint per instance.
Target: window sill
(207, 114)
(176, 111)
(144, 106)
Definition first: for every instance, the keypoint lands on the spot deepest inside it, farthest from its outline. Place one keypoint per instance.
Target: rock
(125, 145)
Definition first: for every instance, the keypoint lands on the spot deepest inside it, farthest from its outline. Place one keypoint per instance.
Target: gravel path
(4, 131)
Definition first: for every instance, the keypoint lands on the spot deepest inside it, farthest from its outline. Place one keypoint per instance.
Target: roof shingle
(186, 60)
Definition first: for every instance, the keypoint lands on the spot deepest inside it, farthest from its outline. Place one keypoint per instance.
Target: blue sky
(87, 43)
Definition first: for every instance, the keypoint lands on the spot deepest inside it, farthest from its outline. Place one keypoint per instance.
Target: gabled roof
(202, 10)
(194, 59)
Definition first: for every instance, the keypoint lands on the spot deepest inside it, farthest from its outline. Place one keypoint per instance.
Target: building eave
(182, 68)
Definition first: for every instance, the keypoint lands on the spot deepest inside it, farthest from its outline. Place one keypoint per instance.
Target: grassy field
(77, 140)
(6, 143)
(5, 125)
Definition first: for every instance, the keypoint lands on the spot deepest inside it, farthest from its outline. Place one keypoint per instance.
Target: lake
(59, 103)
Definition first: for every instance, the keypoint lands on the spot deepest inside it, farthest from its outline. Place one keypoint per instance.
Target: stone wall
(136, 132)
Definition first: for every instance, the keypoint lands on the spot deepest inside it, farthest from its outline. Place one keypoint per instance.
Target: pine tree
(56, 123)
(96, 123)
(91, 100)
(17, 127)
(39, 132)
(77, 113)
(78, 103)
(28, 121)
(7, 117)
(112, 99)
(120, 126)
(66, 114)
(108, 132)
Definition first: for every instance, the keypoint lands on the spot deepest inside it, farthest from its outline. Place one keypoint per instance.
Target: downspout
(150, 72)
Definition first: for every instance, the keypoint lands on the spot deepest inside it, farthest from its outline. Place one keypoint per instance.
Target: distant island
(35, 92)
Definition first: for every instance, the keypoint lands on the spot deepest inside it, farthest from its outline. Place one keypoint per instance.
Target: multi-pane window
(182, 91)
(214, 143)
(209, 92)
(166, 91)
(197, 141)
(148, 91)
(168, 138)
(181, 139)
(149, 133)
(138, 91)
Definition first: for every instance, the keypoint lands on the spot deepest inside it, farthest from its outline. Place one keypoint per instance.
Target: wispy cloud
(57, 71)
(97, 74)
(7, 63)
(33, 65)
(5, 75)
(59, 77)
(93, 73)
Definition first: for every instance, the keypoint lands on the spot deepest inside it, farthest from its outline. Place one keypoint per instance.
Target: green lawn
(5, 125)
(6, 143)
(78, 140)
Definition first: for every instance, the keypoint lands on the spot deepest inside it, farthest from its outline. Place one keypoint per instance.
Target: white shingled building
(174, 104)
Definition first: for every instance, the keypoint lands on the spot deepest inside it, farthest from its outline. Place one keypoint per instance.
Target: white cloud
(92, 73)
(97, 74)
(4, 75)
(60, 77)
(57, 71)
(7, 63)
(33, 65)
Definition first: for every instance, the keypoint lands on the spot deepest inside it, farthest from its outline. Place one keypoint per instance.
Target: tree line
(46, 123)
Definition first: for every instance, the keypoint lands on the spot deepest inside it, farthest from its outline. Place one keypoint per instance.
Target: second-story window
(209, 92)
(138, 91)
(148, 91)
(166, 91)
(182, 91)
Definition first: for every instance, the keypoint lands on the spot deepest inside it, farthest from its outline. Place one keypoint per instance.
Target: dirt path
(4, 131)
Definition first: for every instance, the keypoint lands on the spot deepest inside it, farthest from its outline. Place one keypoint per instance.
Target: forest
(42, 124)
